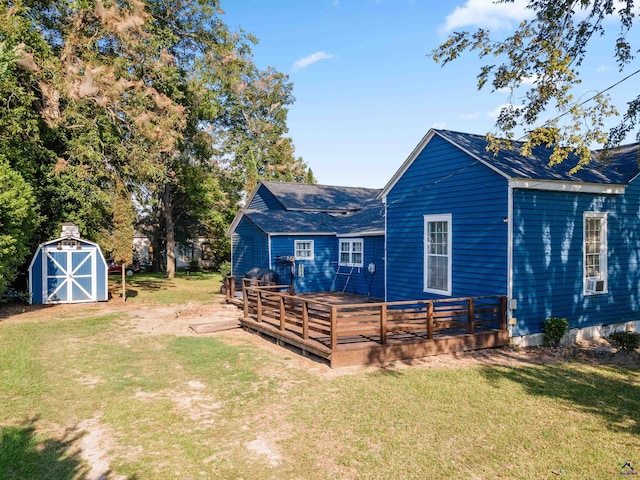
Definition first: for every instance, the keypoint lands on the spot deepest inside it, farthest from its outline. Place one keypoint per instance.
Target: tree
(549, 50)
(18, 221)
(123, 219)
(150, 96)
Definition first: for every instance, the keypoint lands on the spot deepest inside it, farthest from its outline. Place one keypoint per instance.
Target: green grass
(194, 407)
(155, 289)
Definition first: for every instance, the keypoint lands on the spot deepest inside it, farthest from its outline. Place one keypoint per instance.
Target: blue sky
(366, 91)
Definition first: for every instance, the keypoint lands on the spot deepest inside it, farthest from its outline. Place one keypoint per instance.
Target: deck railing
(309, 318)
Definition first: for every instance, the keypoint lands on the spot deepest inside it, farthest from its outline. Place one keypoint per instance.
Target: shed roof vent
(70, 230)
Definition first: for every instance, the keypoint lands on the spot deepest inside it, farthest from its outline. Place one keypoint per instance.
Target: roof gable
(617, 166)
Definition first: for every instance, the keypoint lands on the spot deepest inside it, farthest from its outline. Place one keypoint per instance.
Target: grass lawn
(227, 407)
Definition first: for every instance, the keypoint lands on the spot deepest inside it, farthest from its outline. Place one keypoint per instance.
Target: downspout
(384, 200)
(269, 249)
(510, 302)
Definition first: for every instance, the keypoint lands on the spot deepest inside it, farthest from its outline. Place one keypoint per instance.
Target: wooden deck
(356, 332)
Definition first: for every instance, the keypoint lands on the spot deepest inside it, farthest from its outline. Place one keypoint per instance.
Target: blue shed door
(69, 276)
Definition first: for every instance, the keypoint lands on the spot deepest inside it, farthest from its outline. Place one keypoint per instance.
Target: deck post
(231, 287)
(430, 320)
(334, 328)
(472, 315)
(259, 306)
(383, 324)
(245, 298)
(503, 313)
(283, 314)
(305, 320)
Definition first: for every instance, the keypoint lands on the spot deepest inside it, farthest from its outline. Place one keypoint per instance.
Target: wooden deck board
(350, 331)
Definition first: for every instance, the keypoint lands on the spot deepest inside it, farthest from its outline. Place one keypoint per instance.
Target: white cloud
(487, 14)
(440, 125)
(602, 68)
(495, 113)
(525, 81)
(310, 59)
(470, 116)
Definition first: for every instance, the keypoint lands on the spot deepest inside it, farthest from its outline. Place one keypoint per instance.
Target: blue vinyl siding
(250, 248)
(445, 180)
(548, 259)
(264, 200)
(73, 277)
(35, 278)
(361, 281)
(317, 274)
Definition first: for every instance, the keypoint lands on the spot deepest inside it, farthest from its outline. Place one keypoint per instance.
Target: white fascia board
(235, 222)
(407, 163)
(370, 233)
(255, 191)
(562, 186)
(50, 242)
(416, 151)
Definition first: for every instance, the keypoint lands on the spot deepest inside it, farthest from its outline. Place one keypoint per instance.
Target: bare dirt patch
(94, 446)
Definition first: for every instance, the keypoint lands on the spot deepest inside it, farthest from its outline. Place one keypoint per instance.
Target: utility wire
(587, 100)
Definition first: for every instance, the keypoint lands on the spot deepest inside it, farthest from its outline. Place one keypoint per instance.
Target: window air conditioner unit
(595, 285)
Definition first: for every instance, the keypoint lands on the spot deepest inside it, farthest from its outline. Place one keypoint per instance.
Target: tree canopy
(548, 51)
(155, 98)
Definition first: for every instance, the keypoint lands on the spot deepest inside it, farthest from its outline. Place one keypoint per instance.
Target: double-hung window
(437, 254)
(351, 252)
(303, 249)
(595, 253)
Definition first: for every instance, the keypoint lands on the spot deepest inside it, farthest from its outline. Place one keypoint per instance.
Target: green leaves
(18, 221)
(547, 52)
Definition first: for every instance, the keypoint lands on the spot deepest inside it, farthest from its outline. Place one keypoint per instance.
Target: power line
(588, 99)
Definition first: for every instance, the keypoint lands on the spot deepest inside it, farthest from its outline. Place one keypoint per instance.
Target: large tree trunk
(171, 240)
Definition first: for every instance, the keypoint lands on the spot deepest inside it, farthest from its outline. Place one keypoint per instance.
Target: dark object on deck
(263, 274)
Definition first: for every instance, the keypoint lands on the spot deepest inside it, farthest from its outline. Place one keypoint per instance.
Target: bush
(225, 268)
(627, 341)
(554, 329)
(17, 296)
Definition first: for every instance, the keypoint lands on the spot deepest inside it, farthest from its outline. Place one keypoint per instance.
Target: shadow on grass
(13, 308)
(609, 392)
(24, 456)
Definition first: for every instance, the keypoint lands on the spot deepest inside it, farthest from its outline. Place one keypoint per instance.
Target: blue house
(68, 269)
(317, 237)
(463, 222)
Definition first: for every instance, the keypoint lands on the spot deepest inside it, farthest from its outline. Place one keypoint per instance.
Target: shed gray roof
(616, 166)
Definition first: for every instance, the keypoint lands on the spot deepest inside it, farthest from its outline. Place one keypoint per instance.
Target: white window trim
(295, 249)
(604, 273)
(350, 241)
(438, 218)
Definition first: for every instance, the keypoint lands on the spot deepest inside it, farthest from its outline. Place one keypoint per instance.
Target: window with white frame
(351, 252)
(304, 249)
(437, 254)
(595, 252)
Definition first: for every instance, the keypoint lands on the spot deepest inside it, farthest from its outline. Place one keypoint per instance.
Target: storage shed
(68, 269)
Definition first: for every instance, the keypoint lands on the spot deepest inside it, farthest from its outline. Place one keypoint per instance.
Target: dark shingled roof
(283, 221)
(617, 166)
(318, 209)
(321, 198)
